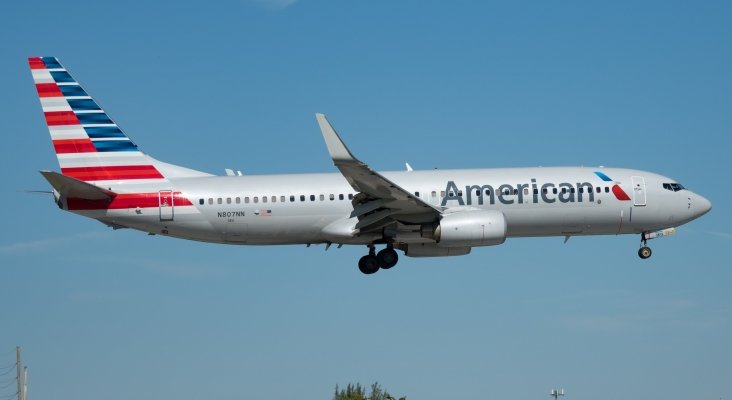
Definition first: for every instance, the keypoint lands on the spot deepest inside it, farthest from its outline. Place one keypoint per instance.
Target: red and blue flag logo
(616, 189)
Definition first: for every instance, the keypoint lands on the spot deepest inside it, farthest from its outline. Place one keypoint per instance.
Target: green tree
(358, 392)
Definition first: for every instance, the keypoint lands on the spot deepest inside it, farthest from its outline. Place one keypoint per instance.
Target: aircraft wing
(380, 201)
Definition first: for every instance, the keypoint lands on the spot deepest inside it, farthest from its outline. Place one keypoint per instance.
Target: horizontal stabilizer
(74, 188)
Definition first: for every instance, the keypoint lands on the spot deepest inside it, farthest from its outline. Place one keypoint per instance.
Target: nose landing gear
(384, 259)
(645, 251)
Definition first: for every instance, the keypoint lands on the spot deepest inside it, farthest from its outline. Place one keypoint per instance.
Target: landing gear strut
(645, 251)
(385, 259)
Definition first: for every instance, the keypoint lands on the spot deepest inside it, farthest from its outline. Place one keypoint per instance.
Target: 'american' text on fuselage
(565, 193)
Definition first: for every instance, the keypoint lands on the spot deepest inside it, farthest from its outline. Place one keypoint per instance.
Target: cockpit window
(674, 187)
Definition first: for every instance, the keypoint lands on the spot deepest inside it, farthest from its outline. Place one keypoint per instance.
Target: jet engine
(471, 228)
(432, 250)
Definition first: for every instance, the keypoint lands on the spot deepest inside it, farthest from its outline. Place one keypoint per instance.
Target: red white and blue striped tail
(88, 143)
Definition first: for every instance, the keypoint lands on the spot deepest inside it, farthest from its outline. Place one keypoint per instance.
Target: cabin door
(639, 191)
(165, 201)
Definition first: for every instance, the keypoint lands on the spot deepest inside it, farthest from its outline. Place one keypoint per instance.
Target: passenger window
(238, 200)
(331, 197)
(545, 190)
(292, 198)
(526, 191)
(312, 197)
(506, 192)
(536, 191)
(264, 199)
(477, 192)
(256, 199)
(564, 190)
(219, 200)
(598, 189)
(200, 201)
(228, 200)
(246, 200)
(487, 192)
(607, 189)
(571, 190)
(416, 194)
(340, 196)
(515, 192)
(442, 193)
(460, 193)
(210, 200)
(554, 190)
(322, 197)
(302, 197)
(350, 196)
(282, 199)
(434, 194)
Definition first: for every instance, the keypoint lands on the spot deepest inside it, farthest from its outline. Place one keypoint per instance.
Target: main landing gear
(384, 259)
(645, 251)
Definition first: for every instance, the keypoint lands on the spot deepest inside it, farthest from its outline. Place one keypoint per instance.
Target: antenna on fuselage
(230, 172)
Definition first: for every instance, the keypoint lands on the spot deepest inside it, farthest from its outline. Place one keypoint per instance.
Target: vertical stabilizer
(88, 143)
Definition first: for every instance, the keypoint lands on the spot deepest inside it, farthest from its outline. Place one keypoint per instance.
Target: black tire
(644, 252)
(388, 258)
(368, 264)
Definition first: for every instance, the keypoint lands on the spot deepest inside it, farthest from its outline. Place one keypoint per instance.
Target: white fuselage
(292, 209)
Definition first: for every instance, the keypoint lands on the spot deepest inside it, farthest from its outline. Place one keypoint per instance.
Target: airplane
(423, 213)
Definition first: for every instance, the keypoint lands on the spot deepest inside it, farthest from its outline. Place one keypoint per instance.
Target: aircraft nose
(702, 205)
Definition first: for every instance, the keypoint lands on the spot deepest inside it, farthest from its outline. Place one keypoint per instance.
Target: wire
(13, 365)
(6, 372)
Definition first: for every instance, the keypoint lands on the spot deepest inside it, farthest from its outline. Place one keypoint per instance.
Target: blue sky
(235, 84)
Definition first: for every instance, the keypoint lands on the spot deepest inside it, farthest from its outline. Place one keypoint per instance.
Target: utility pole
(18, 364)
(556, 393)
(25, 383)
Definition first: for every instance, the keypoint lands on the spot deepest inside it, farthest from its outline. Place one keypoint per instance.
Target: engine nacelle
(432, 250)
(471, 228)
